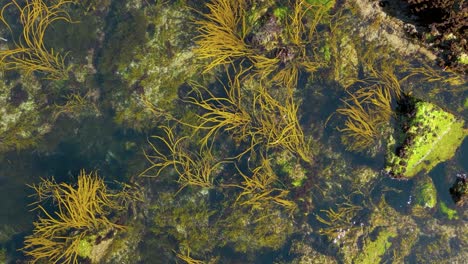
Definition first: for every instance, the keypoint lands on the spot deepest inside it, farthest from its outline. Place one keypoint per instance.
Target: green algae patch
(374, 250)
(85, 246)
(448, 212)
(425, 193)
(432, 136)
(425, 196)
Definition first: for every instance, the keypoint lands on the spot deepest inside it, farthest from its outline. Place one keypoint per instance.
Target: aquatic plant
(250, 114)
(29, 53)
(81, 211)
(366, 111)
(76, 105)
(227, 113)
(259, 191)
(338, 221)
(277, 123)
(187, 259)
(426, 73)
(222, 33)
(276, 48)
(194, 169)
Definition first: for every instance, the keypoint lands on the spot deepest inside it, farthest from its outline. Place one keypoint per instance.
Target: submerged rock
(459, 190)
(425, 195)
(431, 135)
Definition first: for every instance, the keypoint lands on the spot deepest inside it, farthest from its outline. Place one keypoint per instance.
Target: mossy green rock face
(433, 136)
(425, 194)
(374, 249)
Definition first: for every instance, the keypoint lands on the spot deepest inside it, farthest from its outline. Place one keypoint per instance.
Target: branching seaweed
(194, 169)
(222, 33)
(254, 117)
(338, 221)
(30, 54)
(365, 111)
(259, 192)
(81, 211)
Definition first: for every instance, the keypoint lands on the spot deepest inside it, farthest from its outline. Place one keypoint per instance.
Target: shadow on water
(95, 144)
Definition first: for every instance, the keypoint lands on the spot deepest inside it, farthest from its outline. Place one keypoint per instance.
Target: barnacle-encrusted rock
(432, 135)
(459, 190)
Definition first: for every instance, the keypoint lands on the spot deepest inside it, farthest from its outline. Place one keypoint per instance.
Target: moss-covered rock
(247, 232)
(22, 122)
(386, 234)
(287, 165)
(373, 250)
(85, 246)
(161, 62)
(425, 195)
(432, 136)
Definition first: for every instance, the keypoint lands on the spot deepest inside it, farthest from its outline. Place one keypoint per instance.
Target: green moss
(85, 246)
(326, 52)
(465, 104)
(463, 58)
(373, 250)
(287, 165)
(425, 193)
(281, 13)
(448, 212)
(433, 137)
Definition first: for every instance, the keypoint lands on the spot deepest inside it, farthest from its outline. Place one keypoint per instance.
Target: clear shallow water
(115, 151)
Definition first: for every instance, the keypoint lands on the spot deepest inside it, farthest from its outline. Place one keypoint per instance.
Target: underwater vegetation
(250, 113)
(192, 168)
(275, 43)
(222, 107)
(29, 52)
(367, 111)
(258, 189)
(80, 214)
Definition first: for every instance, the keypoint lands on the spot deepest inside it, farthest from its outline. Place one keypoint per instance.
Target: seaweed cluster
(238, 163)
(29, 53)
(67, 231)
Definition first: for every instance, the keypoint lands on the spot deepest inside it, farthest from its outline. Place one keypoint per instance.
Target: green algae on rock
(425, 195)
(386, 234)
(432, 136)
(448, 212)
(375, 249)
